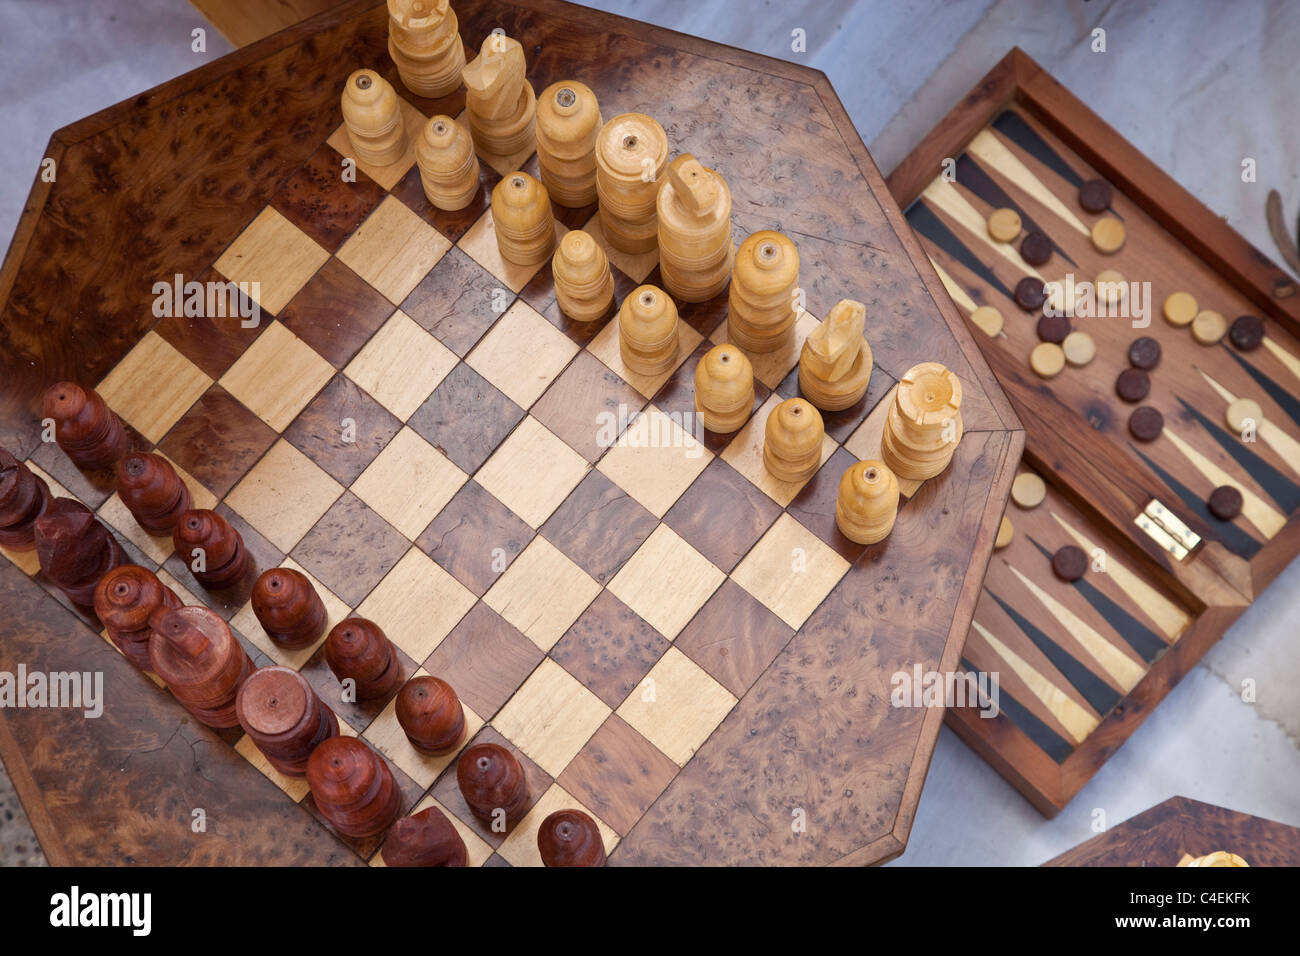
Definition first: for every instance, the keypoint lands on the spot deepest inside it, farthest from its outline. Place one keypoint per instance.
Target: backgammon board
(473, 512)
(1083, 659)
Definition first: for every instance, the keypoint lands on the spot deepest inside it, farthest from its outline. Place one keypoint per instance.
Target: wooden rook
(449, 170)
(522, 220)
(424, 42)
(211, 548)
(359, 650)
(24, 496)
(724, 388)
(867, 503)
(372, 115)
(353, 787)
(631, 157)
(568, 123)
(647, 331)
(284, 717)
(570, 838)
(431, 715)
(128, 600)
(491, 781)
(75, 549)
(288, 608)
(764, 287)
(924, 422)
(696, 252)
(203, 665)
(152, 491)
(835, 363)
(792, 441)
(84, 426)
(500, 103)
(426, 838)
(584, 284)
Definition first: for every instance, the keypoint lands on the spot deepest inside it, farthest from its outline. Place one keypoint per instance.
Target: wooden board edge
(29, 795)
(31, 214)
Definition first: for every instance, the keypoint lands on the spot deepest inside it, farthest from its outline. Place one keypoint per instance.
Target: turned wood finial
(84, 426)
(696, 253)
(762, 301)
(288, 607)
(792, 445)
(584, 283)
(353, 787)
(424, 42)
(75, 549)
(195, 654)
(867, 502)
(647, 331)
(724, 388)
(449, 169)
(284, 717)
(491, 779)
(568, 123)
(372, 114)
(24, 496)
(426, 838)
(924, 422)
(152, 491)
(631, 157)
(522, 219)
(835, 363)
(500, 103)
(127, 600)
(359, 649)
(570, 838)
(431, 715)
(221, 558)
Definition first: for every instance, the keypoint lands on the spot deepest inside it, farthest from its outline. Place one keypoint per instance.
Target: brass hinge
(1167, 530)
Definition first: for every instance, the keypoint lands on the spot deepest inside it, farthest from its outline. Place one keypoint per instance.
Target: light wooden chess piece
(724, 388)
(631, 156)
(522, 219)
(696, 253)
(792, 441)
(372, 114)
(500, 103)
(448, 165)
(835, 364)
(568, 122)
(867, 502)
(424, 42)
(647, 331)
(584, 284)
(924, 423)
(764, 286)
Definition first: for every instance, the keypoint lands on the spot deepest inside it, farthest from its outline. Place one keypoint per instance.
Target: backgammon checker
(647, 331)
(924, 423)
(426, 838)
(288, 608)
(584, 284)
(23, 498)
(75, 549)
(724, 388)
(152, 491)
(431, 715)
(763, 297)
(448, 165)
(696, 253)
(500, 103)
(570, 838)
(201, 663)
(353, 788)
(213, 549)
(128, 599)
(425, 44)
(866, 504)
(373, 117)
(84, 426)
(522, 218)
(631, 158)
(359, 650)
(283, 716)
(568, 123)
(835, 362)
(493, 784)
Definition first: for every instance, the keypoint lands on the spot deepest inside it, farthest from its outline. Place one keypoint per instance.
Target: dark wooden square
(458, 301)
(336, 312)
(466, 418)
(609, 648)
(358, 713)
(840, 425)
(218, 440)
(319, 429)
(485, 658)
(318, 201)
(350, 549)
(453, 224)
(475, 537)
(722, 514)
(677, 395)
(734, 637)
(599, 526)
(447, 791)
(814, 506)
(573, 405)
(213, 343)
(618, 774)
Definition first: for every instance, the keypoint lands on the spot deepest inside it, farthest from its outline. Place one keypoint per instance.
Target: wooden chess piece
(491, 780)
(75, 549)
(24, 496)
(424, 42)
(724, 388)
(792, 441)
(696, 252)
(867, 502)
(584, 284)
(372, 115)
(211, 548)
(284, 717)
(835, 363)
(84, 426)
(924, 422)
(522, 220)
(127, 600)
(288, 608)
(647, 331)
(449, 168)
(764, 290)
(431, 715)
(152, 491)
(568, 122)
(426, 838)
(353, 787)
(631, 157)
(570, 838)
(500, 103)
(200, 661)
(359, 650)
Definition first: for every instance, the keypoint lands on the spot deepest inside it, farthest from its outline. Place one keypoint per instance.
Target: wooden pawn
(924, 423)
(359, 650)
(631, 157)
(431, 715)
(353, 788)
(835, 362)
(522, 220)
(570, 838)
(288, 608)
(152, 491)
(568, 123)
(696, 252)
(128, 600)
(211, 548)
(372, 115)
(449, 170)
(500, 103)
(84, 426)
(424, 42)
(867, 502)
(647, 331)
(792, 441)
(764, 288)
(724, 388)
(584, 284)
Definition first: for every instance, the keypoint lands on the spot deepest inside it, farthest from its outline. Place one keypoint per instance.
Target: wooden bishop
(449, 170)
(631, 157)
(372, 115)
(568, 122)
(761, 314)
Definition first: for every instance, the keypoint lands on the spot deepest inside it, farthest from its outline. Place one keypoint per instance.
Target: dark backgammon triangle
(971, 175)
(1233, 538)
(1278, 487)
(924, 221)
(1285, 400)
(1048, 740)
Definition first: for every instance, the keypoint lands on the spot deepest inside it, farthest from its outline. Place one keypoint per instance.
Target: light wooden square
(401, 365)
(477, 850)
(295, 787)
(551, 717)
(790, 570)
(532, 472)
(771, 368)
(417, 604)
(284, 495)
(636, 266)
(158, 547)
(745, 454)
(386, 734)
(676, 706)
(655, 460)
(605, 347)
(390, 175)
(277, 376)
(522, 354)
(409, 483)
(542, 593)
(520, 847)
(153, 386)
(480, 244)
(666, 581)
(276, 255)
(245, 621)
(393, 249)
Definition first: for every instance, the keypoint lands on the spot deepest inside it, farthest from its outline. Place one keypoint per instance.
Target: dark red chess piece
(84, 426)
(127, 600)
(152, 491)
(353, 787)
(288, 607)
(203, 665)
(431, 715)
(284, 717)
(24, 496)
(360, 650)
(75, 549)
(570, 838)
(223, 557)
(492, 780)
(426, 838)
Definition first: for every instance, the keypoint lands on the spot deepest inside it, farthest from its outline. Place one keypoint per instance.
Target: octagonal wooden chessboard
(665, 636)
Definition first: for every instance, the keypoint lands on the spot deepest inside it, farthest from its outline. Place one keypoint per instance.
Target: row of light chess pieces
(193, 652)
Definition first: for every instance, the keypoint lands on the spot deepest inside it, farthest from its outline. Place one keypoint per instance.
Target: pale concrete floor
(1196, 85)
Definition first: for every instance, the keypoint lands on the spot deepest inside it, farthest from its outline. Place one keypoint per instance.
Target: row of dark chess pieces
(193, 651)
